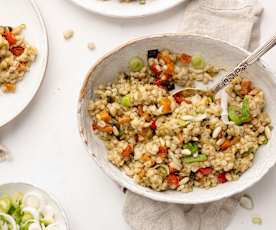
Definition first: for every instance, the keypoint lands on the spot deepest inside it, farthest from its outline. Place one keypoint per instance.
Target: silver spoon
(252, 58)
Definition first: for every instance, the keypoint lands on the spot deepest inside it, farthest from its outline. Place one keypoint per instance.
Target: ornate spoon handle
(259, 52)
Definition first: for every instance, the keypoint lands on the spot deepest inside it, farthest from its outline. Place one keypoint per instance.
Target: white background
(44, 142)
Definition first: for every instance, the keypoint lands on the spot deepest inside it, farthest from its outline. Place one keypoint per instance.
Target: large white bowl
(216, 52)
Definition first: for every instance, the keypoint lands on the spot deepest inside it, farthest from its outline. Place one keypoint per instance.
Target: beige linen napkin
(236, 21)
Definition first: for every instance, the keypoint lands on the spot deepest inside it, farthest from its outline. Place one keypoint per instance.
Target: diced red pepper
(162, 150)
(158, 82)
(17, 51)
(222, 178)
(153, 125)
(127, 151)
(178, 98)
(10, 38)
(185, 58)
(173, 181)
(206, 171)
(154, 68)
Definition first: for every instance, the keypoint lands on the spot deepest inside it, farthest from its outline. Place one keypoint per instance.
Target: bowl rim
(49, 194)
(86, 7)
(136, 189)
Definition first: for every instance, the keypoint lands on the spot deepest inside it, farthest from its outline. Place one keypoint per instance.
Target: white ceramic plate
(13, 13)
(11, 188)
(113, 8)
(216, 52)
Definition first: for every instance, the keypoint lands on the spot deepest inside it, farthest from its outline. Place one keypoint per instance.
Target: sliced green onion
(243, 116)
(17, 199)
(257, 220)
(198, 62)
(135, 64)
(26, 217)
(233, 116)
(6, 219)
(163, 170)
(193, 147)
(46, 222)
(199, 158)
(5, 204)
(182, 123)
(265, 141)
(25, 225)
(126, 101)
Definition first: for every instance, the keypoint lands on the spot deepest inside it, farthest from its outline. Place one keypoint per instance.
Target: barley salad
(169, 142)
(16, 57)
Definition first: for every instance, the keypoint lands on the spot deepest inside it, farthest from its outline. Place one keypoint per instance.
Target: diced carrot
(165, 57)
(173, 181)
(10, 38)
(140, 110)
(222, 178)
(246, 86)
(185, 58)
(124, 119)
(9, 87)
(106, 129)
(206, 171)
(17, 51)
(127, 151)
(170, 69)
(104, 116)
(166, 105)
(227, 143)
(146, 157)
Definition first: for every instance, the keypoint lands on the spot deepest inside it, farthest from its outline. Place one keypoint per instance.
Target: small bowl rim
(49, 194)
(123, 182)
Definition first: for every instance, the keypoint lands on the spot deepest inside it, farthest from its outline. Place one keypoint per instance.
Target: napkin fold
(235, 21)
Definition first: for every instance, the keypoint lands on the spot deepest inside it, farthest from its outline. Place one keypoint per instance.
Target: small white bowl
(11, 188)
(215, 52)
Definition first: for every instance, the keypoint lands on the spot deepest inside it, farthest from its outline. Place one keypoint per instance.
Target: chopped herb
(199, 158)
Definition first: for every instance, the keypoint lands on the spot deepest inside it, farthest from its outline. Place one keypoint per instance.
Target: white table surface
(44, 141)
